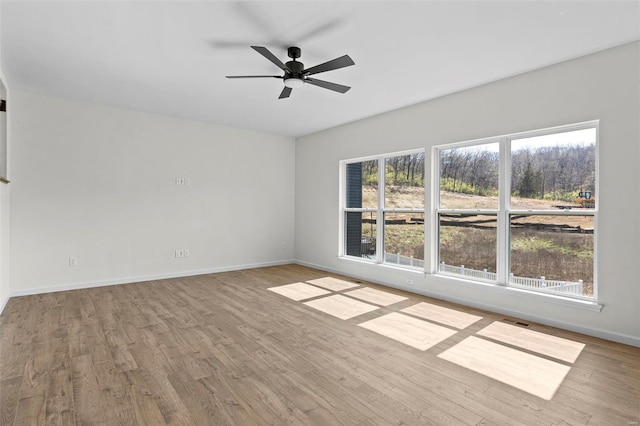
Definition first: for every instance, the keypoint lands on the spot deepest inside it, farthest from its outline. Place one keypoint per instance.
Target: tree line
(469, 171)
(552, 172)
(403, 170)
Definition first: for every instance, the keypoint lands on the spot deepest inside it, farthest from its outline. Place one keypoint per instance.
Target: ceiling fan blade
(285, 92)
(270, 56)
(327, 85)
(318, 30)
(341, 62)
(253, 76)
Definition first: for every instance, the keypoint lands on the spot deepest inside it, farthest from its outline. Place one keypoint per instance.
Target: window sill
(590, 305)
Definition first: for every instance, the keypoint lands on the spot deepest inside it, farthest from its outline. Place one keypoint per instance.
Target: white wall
(4, 245)
(602, 86)
(5, 196)
(4, 221)
(98, 183)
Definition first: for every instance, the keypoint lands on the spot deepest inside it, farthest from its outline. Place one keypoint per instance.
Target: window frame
(504, 211)
(379, 211)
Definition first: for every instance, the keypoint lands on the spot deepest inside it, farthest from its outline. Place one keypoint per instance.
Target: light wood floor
(222, 349)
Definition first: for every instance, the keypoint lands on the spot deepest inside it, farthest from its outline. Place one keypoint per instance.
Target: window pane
(468, 245)
(404, 182)
(404, 239)
(362, 184)
(556, 171)
(469, 177)
(554, 253)
(360, 234)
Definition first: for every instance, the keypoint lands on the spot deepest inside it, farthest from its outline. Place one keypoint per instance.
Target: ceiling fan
(295, 75)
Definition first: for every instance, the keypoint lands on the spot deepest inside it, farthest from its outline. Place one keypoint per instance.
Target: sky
(584, 137)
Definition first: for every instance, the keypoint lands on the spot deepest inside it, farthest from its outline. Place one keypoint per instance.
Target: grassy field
(556, 247)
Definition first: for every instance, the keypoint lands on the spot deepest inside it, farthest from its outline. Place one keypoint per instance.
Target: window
(383, 209)
(468, 215)
(3, 134)
(520, 210)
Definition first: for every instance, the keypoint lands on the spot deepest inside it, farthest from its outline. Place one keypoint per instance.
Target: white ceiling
(170, 57)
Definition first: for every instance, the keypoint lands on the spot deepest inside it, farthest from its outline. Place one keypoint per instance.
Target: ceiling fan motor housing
(294, 52)
(295, 67)
(294, 78)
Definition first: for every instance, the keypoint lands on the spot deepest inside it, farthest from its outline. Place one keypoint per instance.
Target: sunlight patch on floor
(537, 376)
(333, 284)
(375, 296)
(442, 315)
(341, 306)
(299, 291)
(408, 330)
(552, 346)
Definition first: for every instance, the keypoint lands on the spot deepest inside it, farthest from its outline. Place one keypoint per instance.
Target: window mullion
(380, 213)
(504, 191)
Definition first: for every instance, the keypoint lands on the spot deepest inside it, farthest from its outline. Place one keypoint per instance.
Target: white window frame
(504, 210)
(380, 210)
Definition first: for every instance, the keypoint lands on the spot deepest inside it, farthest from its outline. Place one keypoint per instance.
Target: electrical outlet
(182, 253)
(73, 261)
(284, 245)
(179, 181)
(410, 282)
(187, 181)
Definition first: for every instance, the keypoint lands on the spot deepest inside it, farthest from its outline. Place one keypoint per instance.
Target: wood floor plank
(231, 411)
(9, 396)
(120, 354)
(545, 411)
(142, 400)
(12, 356)
(115, 399)
(223, 349)
(36, 373)
(154, 371)
(88, 405)
(31, 411)
(59, 402)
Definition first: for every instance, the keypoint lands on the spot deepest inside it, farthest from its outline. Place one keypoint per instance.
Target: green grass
(532, 244)
(449, 184)
(534, 253)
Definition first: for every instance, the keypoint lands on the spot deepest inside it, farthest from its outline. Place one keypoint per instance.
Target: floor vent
(518, 323)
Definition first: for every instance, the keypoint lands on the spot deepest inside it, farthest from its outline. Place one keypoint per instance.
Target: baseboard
(603, 334)
(3, 303)
(130, 280)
